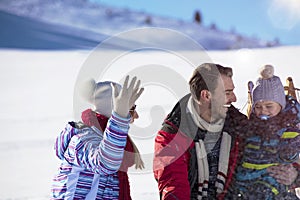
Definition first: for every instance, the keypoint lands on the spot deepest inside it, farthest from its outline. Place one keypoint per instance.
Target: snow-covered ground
(37, 100)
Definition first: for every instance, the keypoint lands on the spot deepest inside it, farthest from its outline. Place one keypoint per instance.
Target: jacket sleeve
(100, 154)
(170, 165)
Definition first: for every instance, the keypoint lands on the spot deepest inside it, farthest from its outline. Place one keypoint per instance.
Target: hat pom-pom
(87, 89)
(267, 72)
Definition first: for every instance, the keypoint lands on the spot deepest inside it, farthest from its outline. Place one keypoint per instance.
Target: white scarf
(201, 153)
(201, 123)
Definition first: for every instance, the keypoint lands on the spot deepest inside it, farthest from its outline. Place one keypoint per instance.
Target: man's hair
(206, 77)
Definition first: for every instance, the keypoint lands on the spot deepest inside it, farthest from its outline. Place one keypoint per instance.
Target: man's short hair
(206, 77)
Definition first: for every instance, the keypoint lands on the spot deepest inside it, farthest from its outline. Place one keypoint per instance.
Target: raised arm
(103, 153)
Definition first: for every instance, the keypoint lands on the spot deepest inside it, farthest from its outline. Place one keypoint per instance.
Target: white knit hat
(268, 87)
(99, 95)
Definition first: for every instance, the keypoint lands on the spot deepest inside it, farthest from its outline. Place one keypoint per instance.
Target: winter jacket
(92, 118)
(268, 143)
(90, 160)
(175, 160)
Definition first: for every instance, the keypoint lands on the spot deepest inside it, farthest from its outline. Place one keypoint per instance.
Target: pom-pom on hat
(268, 87)
(99, 95)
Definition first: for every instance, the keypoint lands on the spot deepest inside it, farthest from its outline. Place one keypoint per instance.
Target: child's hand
(284, 174)
(123, 100)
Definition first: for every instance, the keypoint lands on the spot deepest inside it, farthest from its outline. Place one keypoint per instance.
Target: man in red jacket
(199, 145)
(196, 150)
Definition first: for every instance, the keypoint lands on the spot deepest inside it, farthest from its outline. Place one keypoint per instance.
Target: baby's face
(269, 108)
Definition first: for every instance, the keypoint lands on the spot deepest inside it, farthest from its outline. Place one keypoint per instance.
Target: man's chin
(223, 114)
(220, 115)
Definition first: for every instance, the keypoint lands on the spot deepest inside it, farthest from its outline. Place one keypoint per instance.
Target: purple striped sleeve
(100, 152)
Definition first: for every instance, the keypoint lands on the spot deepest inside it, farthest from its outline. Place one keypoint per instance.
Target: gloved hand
(284, 174)
(123, 100)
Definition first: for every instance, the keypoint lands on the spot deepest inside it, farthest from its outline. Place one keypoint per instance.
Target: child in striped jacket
(92, 151)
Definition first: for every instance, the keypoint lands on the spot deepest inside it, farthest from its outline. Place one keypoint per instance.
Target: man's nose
(232, 97)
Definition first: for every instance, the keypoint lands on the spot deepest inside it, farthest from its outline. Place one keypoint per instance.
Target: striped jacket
(90, 160)
(252, 178)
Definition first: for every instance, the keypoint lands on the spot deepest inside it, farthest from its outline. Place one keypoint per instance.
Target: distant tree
(273, 43)
(269, 44)
(148, 20)
(198, 17)
(276, 41)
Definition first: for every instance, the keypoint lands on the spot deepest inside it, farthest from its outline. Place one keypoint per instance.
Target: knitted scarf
(181, 118)
(201, 153)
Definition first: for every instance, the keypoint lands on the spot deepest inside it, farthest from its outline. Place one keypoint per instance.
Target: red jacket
(174, 159)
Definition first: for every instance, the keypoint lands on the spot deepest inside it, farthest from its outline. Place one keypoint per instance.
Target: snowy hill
(56, 24)
(23, 32)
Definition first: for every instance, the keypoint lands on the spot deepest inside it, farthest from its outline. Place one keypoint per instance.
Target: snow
(37, 84)
(37, 96)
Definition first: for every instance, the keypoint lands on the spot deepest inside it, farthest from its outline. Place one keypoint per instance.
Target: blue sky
(265, 19)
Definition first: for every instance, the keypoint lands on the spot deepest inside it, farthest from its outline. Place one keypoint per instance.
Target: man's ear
(205, 95)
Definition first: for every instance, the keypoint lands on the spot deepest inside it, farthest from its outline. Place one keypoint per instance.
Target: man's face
(222, 97)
